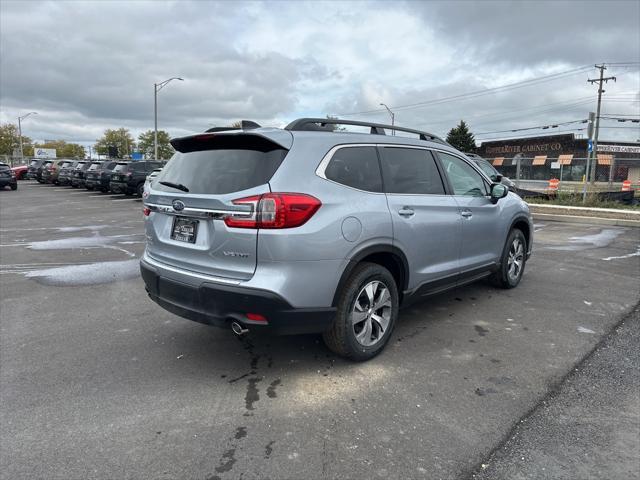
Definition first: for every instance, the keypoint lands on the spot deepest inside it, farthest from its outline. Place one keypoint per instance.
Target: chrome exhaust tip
(238, 329)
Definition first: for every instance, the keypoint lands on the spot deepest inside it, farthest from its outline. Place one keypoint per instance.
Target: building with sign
(549, 156)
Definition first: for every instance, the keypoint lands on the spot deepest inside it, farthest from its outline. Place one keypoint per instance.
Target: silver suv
(312, 229)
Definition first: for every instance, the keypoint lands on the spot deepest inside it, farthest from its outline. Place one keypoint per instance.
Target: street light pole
(156, 88)
(20, 133)
(393, 117)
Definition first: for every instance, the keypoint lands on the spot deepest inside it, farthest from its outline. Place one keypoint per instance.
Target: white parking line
(126, 200)
(106, 195)
(79, 193)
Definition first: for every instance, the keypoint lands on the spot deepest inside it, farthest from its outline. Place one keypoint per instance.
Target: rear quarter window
(356, 167)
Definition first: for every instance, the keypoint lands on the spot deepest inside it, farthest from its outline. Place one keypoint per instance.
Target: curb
(616, 222)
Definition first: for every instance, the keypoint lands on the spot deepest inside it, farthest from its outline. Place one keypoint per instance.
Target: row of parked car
(114, 176)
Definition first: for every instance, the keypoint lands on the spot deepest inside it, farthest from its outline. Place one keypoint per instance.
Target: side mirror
(498, 178)
(498, 191)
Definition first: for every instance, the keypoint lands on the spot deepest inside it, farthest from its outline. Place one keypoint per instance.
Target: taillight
(275, 210)
(146, 211)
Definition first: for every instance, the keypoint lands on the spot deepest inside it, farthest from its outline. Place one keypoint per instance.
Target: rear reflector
(146, 211)
(275, 210)
(256, 317)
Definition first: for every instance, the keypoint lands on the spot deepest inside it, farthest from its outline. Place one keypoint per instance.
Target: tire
(349, 339)
(512, 262)
(14, 187)
(140, 189)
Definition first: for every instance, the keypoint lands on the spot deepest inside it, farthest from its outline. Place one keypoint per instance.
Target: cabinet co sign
(45, 152)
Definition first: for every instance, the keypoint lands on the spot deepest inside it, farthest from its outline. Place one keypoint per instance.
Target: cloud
(87, 66)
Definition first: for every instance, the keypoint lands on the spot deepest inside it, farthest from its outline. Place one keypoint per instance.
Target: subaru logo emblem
(178, 206)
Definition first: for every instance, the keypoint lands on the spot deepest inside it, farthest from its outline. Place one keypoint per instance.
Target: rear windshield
(95, 166)
(65, 164)
(34, 163)
(120, 167)
(220, 171)
(80, 165)
(4, 166)
(46, 164)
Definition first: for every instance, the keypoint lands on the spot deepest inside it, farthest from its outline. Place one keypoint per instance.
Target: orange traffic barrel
(626, 185)
(553, 184)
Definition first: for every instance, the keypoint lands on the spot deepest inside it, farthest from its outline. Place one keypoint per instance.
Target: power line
(477, 93)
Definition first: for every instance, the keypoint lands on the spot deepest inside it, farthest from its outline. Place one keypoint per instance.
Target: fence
(535, 172)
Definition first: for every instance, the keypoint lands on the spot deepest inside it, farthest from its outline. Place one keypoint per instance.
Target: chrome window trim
(197, 212)
(322, 166)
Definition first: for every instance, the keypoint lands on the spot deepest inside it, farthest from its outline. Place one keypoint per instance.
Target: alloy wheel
(371, 313)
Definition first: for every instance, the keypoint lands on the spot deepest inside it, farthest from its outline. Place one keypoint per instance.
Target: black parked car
(129, 177)
(7, 177)
(43, 166)
(77, 178)
(66, 172)
(99, 175)
(32, 171)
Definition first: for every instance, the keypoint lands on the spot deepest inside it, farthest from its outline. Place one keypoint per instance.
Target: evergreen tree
(461, 138)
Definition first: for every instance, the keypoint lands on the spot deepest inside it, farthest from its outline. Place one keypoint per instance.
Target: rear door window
(120, 167)
(222, 170)
(410, 171)
(356, 167)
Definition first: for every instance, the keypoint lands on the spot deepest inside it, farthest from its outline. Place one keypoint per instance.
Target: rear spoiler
(262, 139)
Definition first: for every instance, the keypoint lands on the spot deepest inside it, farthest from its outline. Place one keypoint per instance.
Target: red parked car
(20, 171)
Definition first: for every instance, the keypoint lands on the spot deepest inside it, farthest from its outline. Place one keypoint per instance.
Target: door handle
(406, 212)
(466, 213)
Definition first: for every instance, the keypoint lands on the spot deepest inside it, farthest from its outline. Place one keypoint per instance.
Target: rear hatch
(119, 172)
(94, 170)
(194, 192)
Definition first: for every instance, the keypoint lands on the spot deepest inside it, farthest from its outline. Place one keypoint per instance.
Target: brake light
(146, 211)
(275, 210)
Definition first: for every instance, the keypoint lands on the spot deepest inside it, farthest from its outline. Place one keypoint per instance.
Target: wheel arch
(522, 223)
(389, 256)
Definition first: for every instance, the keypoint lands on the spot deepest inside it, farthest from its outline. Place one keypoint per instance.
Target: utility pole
(602, 68)
(592, 117)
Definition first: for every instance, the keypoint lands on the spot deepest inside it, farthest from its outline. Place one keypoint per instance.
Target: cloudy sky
(87, 66)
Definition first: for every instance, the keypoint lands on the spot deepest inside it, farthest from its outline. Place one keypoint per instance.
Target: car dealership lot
(96, 381)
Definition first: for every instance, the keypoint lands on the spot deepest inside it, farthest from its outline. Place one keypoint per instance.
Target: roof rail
(324, 125)
(244, 125)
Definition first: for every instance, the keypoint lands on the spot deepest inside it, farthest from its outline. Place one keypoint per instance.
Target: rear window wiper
(178, 186)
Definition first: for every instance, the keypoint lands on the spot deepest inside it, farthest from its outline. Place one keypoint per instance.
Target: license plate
(184, 229)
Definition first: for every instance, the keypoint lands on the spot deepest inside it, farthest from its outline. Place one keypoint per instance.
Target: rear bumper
(7, 182)
(216, 304)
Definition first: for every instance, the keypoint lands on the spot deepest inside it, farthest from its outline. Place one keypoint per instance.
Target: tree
(461, 138)
(145, 144)
(63, 149)
(119, 138)
(10, 141)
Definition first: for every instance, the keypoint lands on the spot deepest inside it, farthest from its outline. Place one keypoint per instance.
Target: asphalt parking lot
(96, 381)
